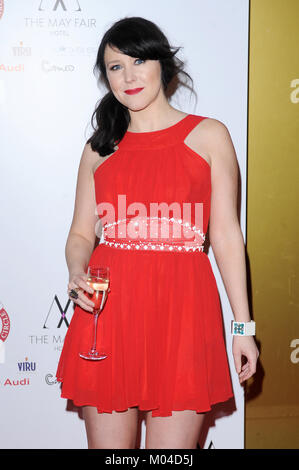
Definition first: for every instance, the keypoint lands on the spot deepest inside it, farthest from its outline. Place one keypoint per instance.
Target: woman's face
(127, 73)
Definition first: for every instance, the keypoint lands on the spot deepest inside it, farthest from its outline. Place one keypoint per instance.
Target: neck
(158, 115)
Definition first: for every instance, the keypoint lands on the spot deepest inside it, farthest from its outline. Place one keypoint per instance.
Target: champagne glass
(98, 279)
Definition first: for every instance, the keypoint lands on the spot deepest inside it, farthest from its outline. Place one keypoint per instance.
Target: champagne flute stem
(96, 316)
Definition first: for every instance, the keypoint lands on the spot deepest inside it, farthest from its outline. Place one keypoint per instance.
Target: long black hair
(140, 38)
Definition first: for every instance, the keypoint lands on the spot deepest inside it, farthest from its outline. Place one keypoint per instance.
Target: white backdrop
(47, 95)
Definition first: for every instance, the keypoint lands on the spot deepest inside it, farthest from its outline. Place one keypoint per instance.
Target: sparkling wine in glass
(98, 279)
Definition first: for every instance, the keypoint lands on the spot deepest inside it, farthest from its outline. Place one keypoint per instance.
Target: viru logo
(27, 366)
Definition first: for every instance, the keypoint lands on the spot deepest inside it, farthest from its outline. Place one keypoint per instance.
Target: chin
(138, 106)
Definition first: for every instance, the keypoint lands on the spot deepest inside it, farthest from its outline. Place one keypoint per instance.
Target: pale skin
(150, 111)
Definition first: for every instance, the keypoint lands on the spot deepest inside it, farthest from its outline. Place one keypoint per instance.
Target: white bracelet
(243, 328)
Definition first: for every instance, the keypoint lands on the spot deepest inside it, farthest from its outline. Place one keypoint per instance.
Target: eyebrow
(117, 60)
(111, 61)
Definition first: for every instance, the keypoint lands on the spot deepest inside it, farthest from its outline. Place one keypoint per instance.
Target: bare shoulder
(201, 137)
(92, 158)
(212, 140)
(88, 155)
(215, 129)
(209, 129)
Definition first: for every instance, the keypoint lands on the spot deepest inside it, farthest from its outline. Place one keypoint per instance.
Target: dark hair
(140, 38)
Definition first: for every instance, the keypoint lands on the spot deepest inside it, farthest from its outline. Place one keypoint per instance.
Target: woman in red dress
(162, 322)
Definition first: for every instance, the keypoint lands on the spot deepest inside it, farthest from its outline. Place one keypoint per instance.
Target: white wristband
(243, 328)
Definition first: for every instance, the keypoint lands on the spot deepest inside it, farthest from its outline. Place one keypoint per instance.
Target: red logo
(1, 8)
(4, 331)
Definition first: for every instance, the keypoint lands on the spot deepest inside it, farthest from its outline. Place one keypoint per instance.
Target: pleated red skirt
(165, 342)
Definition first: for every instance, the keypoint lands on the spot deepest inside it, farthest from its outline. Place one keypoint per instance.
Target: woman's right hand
(78, 280)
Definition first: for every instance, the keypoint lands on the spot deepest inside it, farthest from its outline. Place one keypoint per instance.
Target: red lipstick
(133, 91)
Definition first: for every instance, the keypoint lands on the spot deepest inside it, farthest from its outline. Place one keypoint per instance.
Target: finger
(244, 368)
(72, 286)
(243, 379)
(84, 298)
(85, 286)
(237, 359)
(246, 374)
(252, 364)
(243, 374)
(80, 281)
(84, 305)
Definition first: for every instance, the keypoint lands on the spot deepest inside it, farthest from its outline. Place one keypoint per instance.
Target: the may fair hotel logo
(54, 326)
(59, 17)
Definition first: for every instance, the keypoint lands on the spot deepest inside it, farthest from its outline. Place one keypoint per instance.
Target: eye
(112, 68)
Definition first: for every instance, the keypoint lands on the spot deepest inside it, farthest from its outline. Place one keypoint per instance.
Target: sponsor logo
(16, 382)
(5, 324)
(62, 23)
(57, 314)
(27, 366)
(54, 340)
(50, 17)
(4, 331)
(71, 51)
(63, 5)
(48, 67)
(12, 68)
(55, 319)
(1, 8)
(50, 379)
(21, 50)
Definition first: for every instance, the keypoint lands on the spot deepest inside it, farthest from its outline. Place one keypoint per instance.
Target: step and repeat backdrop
(47, 95)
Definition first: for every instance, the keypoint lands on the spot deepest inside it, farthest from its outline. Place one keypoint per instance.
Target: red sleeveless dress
(162, 323)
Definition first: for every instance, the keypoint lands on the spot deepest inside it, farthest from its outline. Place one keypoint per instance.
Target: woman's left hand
(245, 346)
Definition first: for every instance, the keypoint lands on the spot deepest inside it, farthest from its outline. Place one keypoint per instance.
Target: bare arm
(225, 232)
(82, 235)
(227, 239)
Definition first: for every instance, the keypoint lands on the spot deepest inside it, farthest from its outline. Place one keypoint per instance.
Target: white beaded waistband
(154, 246)
(153, 243)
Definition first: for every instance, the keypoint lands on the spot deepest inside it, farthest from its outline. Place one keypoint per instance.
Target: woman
(162, 324)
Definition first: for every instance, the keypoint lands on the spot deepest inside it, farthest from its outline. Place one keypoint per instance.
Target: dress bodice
(155, 180)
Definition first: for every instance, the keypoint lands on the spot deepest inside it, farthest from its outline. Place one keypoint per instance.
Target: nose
(129, 74)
